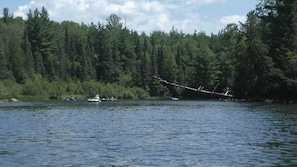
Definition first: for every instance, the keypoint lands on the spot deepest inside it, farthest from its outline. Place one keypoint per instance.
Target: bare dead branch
(200, 89)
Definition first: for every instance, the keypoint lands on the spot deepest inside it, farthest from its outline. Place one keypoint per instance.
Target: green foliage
(74, 88)
(127, 94)
(140, 93)
(9, 89)
(56, 90)
(241, 79)
(91, 88)
(41, 37)
(3, 90)
(3, 66)
(49, 60)
(35, 86)
(125, 80)
(10, 46)
(278, 19)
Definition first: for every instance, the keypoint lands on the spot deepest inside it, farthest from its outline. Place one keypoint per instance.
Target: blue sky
(146, 16)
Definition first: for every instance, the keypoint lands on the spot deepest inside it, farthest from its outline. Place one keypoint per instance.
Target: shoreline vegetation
(278, 101)
(254, 60)
(40, 90)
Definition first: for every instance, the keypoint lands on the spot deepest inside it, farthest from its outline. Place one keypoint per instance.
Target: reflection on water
(148, 133)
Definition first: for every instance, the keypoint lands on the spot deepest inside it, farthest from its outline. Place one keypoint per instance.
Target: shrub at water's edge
(41, 89)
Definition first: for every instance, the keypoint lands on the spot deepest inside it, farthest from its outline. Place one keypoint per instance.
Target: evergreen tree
(110, 61)
(242, 78)
(225, 49)
(279, 19)
(127, 50)
(257, 55)
(42, 40)
(7, 17)
(3, 66)
(11, 33)
(28, 57)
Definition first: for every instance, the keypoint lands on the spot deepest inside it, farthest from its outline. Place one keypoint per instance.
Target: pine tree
(3, 66)
(28, 57)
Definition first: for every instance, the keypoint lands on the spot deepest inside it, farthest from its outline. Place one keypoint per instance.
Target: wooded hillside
(255, 60)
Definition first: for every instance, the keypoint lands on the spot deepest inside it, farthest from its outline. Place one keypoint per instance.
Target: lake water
(148, 133)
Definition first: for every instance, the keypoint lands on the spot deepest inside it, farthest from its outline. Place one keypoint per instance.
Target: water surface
(148, 133)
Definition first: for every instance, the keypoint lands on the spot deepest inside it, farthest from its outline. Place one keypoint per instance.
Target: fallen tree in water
(200, 89)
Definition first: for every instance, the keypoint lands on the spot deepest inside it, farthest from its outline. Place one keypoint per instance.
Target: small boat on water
(174, 98)
(108, 99)
(71, 99)
(95, 99)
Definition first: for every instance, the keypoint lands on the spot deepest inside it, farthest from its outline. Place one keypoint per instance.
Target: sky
(209, 16)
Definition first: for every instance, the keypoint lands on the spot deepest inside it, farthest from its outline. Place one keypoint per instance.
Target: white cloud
(225, 20)
(232, 19)
(202, 2)
(140, 15)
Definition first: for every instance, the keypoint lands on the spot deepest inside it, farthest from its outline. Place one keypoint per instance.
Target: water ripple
(148, 133)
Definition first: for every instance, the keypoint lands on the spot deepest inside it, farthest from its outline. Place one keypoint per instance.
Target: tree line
(255, 60)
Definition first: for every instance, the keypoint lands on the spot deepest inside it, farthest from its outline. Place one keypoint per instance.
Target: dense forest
(255, 60)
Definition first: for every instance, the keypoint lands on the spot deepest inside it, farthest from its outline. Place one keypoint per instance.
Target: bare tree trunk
(200, 89)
